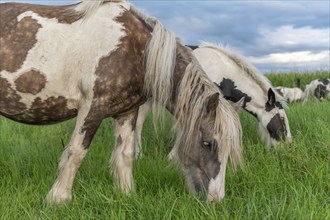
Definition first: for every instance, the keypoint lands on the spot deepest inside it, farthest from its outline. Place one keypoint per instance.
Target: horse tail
(159, 61)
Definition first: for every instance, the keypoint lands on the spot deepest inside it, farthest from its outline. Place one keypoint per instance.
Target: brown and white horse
(99, 59)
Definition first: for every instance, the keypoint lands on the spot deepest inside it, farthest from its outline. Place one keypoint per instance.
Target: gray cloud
(256, 28)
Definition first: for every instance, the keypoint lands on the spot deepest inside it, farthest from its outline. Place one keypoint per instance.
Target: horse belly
(41, 112)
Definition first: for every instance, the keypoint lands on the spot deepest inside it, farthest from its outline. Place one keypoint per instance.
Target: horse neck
(220, 64)
(184, 58)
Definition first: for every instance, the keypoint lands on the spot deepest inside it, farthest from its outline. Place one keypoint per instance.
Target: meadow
(289, 182)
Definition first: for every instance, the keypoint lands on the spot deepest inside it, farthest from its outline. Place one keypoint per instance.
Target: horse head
(274, 124)
(209, 134)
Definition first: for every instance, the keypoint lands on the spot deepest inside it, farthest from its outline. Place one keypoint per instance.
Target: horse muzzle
(216, 191)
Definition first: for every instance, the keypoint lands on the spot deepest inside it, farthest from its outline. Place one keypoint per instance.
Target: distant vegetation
(288, 80)
(283, 183)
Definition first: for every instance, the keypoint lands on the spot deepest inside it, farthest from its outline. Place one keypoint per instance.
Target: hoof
(58, 198)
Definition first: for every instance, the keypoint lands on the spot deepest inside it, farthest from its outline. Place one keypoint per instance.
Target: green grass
(284, 183)
(288, 80)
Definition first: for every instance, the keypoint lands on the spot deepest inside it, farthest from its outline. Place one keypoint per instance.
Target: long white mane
(88, 7)
(247, 68)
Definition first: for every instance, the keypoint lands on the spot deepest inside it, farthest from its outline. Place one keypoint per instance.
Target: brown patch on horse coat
(119, 140)
(118, 87)
(183, 58)
(18, 37)
(30, 82)
(49, 111)
(9, 100)
(16, 42)
(127, 77)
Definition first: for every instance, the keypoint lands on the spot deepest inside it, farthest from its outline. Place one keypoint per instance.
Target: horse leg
(122, 156)
(71, 159)
(305, 95)
(143, 112)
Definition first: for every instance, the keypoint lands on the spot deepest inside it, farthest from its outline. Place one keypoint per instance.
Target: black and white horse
(320, 88)
(290, 94)
(238, 79)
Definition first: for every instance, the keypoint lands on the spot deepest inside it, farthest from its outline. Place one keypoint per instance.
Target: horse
(237, 79)
(290, 94)
(319, 87)
(98, 59)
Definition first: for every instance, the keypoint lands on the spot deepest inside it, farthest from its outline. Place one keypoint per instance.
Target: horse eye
(207, 145)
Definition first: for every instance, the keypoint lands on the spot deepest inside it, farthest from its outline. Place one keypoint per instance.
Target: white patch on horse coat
(216, 190)
(71, 52)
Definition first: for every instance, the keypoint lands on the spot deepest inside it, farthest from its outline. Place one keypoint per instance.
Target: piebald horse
(99, 59)
(290, 94)
(319, 87)
(238, 79)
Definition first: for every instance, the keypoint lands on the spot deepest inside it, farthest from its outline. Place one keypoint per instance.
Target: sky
(275, 36)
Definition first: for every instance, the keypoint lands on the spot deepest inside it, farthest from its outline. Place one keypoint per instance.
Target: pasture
(283, 183)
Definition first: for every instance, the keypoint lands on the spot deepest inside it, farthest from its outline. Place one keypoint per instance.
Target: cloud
(293, 57)
(293, 61)
(288, 36)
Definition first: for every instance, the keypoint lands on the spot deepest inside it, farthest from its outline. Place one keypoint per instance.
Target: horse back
(231, 77)
(52, 61)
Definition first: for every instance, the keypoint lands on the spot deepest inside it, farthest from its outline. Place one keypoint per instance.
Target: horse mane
(194, 90)
(191, 107)
(88, 7)
(249, 69)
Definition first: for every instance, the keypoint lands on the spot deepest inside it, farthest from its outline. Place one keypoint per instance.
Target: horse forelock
(194, 91)
(247, 68)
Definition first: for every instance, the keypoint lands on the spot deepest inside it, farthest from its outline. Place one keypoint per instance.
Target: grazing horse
(290, 94)
(102, 58)
(236, 79)
(319, 87)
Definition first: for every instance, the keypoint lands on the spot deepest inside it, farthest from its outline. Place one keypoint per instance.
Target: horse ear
(238, 105)
(213, 102)
(271, 97)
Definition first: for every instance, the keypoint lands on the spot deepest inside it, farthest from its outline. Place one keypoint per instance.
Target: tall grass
(288, 80)
(283, 183)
